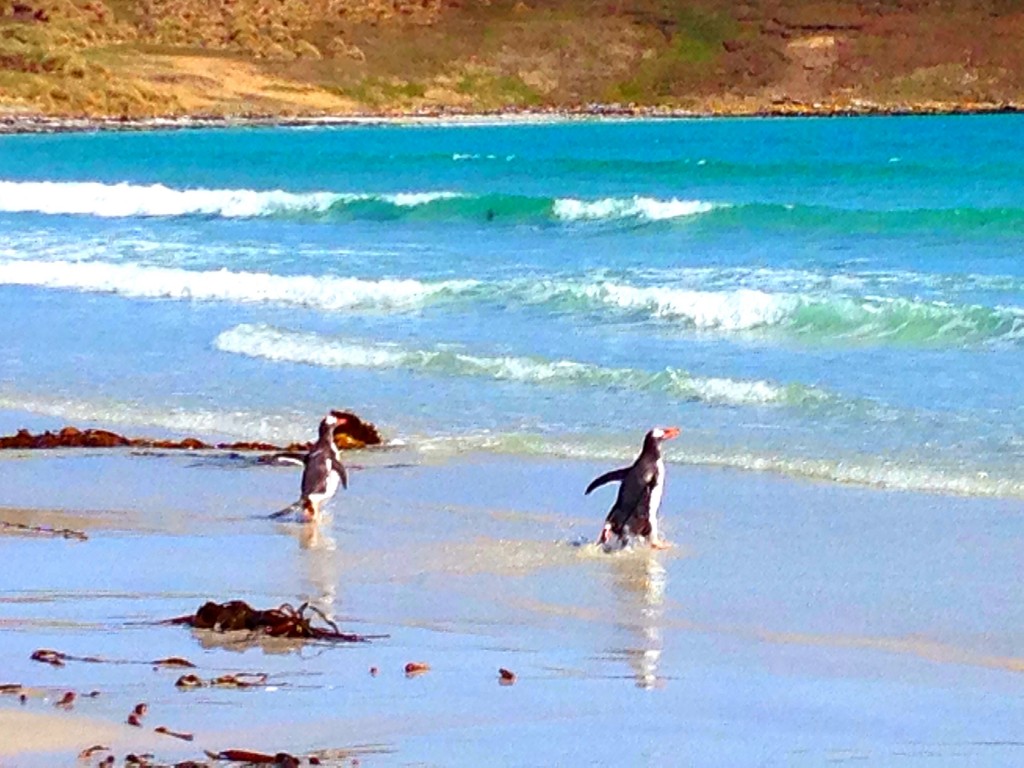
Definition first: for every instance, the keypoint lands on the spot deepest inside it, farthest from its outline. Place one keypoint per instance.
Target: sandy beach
(793, 623)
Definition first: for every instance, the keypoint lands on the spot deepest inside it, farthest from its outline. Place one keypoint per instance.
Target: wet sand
(793, 623)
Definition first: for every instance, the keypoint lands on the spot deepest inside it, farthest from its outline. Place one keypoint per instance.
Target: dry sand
(65, 733)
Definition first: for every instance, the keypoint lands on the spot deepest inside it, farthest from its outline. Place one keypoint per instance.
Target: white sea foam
(157, 200)
(865, 472)
(651, 209)
(729, 310)
(269, 343)
(820, 313)
(132, 280)
(123, 200)
(413, 199)
(726, 310)
(119, 200)
(104, 413)
(735, 310)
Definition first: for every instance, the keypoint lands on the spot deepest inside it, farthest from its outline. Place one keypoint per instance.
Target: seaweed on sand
(283, 621)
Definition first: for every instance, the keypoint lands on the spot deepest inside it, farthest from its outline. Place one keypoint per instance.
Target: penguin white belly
(331, 483)
(657, 489)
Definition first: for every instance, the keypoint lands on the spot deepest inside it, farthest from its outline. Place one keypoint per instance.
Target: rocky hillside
(140, 58)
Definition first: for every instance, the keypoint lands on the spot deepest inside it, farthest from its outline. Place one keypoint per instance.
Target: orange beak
(670, 432)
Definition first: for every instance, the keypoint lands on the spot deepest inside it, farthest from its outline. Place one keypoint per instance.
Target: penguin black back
(641, 484)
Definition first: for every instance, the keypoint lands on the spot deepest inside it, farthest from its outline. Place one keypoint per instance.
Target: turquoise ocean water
(840, 299)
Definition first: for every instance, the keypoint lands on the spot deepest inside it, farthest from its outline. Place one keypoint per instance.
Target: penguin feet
(660, 544)
(310, 511)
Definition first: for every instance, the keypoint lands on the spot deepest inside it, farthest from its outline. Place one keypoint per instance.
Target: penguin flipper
(299, 459)
(616, 475)
(340, 469)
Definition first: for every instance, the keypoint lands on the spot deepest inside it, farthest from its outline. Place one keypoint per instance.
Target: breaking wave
(156, 200)
(269, 343)
(813, 316)
(135, 281)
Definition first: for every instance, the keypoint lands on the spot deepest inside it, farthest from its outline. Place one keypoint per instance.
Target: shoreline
(34, 123)
(802, 650)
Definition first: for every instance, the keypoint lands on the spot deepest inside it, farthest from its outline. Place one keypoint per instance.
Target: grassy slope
(229, 57)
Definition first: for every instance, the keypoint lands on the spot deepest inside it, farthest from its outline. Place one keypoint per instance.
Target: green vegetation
(699, 34)
(378, 93)
(170, 57)
(492, 91)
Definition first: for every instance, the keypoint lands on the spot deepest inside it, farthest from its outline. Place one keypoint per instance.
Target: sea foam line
(818, 316)
(880, 473)
(124, 200)
(158, 200)
(279, 345)
(136, 281)
(648, 208)
(234, 424)
(121, 200)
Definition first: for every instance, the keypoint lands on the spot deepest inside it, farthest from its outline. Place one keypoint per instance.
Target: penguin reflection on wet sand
(635, 512)
(322, 471)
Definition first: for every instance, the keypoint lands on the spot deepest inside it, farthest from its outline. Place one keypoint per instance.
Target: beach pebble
(189, 681)
(47, 656)
(173, 661)
(176, 734)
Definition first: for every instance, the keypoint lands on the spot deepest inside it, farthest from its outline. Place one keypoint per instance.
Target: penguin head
(331, 421)
(654, 439)
(663, 433)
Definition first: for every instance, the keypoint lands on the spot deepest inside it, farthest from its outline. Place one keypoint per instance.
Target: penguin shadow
(640, 581)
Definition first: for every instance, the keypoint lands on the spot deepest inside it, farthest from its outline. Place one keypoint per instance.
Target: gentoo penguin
(322, 470)
(635, 512)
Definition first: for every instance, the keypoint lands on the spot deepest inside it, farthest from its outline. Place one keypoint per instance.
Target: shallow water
(838, 299)
(793, 623)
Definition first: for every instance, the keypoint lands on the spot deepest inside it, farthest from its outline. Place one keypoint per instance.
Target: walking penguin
(635, 512)
(322, 471)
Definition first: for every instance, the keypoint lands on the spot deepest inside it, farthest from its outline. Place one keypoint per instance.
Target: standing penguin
(322, 471)
(635, 512)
